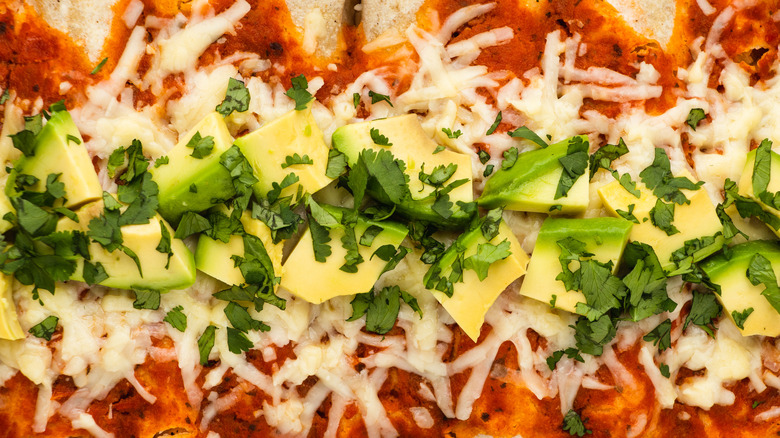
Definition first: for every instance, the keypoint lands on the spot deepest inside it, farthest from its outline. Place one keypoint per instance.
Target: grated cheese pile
(104, 338)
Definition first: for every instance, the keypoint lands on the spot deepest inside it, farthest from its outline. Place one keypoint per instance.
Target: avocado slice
(142, 240)
(696, 220)
(317, 282)
(745, 185)
(530, 184)
(194, 184)
(213, 257)
(410, 144)
(59, 149)
(604, 237)
(738, 293)
(268, 148)
(472, 297)
(9, 322)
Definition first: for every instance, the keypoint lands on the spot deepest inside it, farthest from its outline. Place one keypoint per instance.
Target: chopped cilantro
(574, 164)
(484, 157)
(486, 255)
(491, 223)
(337, 164)
(628, 215)
(73, 138)
(664, 369)
(161, 161)
(176, 318)
(146, 299)
(760, 272)
(488, 170)
(193, 188)
(99, 66)
(510, 158)
(658, 178)
(741, 317)
(495, 124)
(94, 274)
(747, 207)
(381, 308)
(378, 138)
(296, 159)
(236, 98)
(24, 141)
(451, 134)
(370, 234)
(237, 341)
(4, 97)
(356, 99)
(438, 149)
(206, 343)
(605, 155)
(352, 258)
(165, 243)
(45, 329)
(240, 318)
(661, 335)
(191, 223)
(662, 215)
(376, 98)
(201, 146)
(694, 117)
(526, 133)
(320, 237)
(704, 310)
(439, 175)
(573, 424)
(299, 93)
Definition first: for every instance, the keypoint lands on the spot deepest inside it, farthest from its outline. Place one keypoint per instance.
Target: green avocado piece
(604, 237)
(143, 241)
(268, 148)
(408, 142)
(213, 257)
(530, 184)
(194, 184)
(317, 282)
(738, 294)
(59, 149)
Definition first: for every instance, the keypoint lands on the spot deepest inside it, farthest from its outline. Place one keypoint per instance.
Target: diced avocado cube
(408, 142)
(143, 241)
(213, 257)
(9, 323)
(745, 185)
(696, 220)
(59, 149)
(604, 237)
(317, 282)
(531, 184)
(738, 294)
(211, 180)
(471, 299)
(269, 147)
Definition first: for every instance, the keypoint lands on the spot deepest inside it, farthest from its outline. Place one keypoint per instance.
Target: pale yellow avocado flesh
(738, 293)
(604, 237)
(268, 147)
(317, 282)
(9, 322)
(213, 257)
(410, 144)
(143, 240)
(57, 153)
(472, 298)
(695, 220)
(5, 207)
(745, 185)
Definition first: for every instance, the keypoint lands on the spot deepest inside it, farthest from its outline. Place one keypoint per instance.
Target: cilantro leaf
(451, 134)
(591, 336)
(46, 328)
(176, 318)
(146, 299)
(605, 155)
(376, 97)
(747, 207)
(236, 98)
(355, 99)
(484, 157)
(237, 341)
(526, 133)
(240, 318)
(704, 310)
(201, 146)
(165, 243)
(694, 117)
(661, 335)
(352, 258)
(94, 274)
(486, 255)
(24, 141)
(601, 289)
(299, 93)
(510, 158)
(382, 311)
(664, 369)
(191, 223)
(488, 170)
(370, 234)
(99, 66)
(296, 159)
(658, 178)
(378, 138)
(5, 96)
(741, 317)
(495, 124)
(320, 237)
(628, 215)
(337, 164)
(206, 343)
(574, 164)
(438, 149)
(662, 215)
(439, 175)
(161, 161)
(491, 223)
(760, 272)
(573, 424)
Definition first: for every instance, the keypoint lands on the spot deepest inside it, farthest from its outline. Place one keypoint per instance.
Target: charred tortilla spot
(752, 56)
(277, 49)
